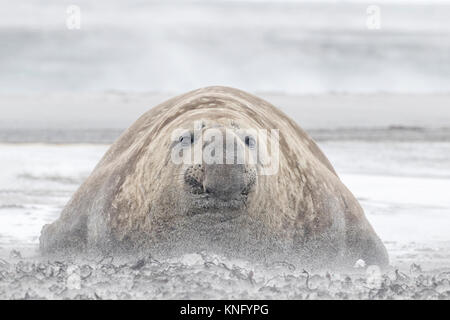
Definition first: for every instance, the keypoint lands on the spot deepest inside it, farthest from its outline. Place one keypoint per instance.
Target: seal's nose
(224, 168)
(224, 181)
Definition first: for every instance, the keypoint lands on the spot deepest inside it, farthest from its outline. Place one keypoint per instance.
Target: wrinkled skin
(137, 199)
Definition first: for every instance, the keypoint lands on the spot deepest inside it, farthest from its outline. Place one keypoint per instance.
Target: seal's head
(199, 160)
(219, 165)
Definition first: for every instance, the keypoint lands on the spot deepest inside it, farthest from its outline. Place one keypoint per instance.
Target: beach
(397, 164)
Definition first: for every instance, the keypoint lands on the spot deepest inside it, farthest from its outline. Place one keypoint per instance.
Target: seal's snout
(224, 173)
(224, 181)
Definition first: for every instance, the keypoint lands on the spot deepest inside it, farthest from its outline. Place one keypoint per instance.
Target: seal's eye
(186, 139)
(250, 142)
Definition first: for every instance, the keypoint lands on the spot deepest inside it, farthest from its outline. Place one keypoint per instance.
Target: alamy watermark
(227, 146)
(373, 21)
(73, 20)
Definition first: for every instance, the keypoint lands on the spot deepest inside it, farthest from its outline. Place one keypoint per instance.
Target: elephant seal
(141, 197)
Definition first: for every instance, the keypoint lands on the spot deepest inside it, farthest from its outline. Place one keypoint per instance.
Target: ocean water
(259, 46)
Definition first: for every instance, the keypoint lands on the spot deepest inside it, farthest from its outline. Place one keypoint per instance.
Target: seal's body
(139, 198)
